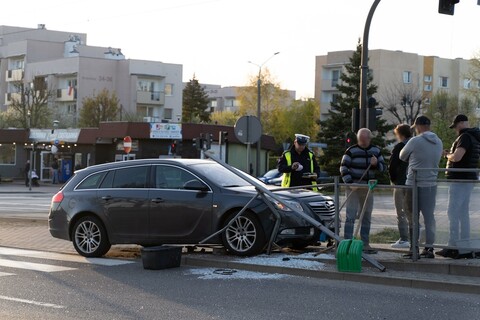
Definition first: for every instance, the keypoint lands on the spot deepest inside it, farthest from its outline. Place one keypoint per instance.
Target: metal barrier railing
(263, 192)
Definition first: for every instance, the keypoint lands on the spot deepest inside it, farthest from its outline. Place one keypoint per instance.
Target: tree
(404, 101)
(29, 106)
(273, 99)
(195, 103)
(101, 107)
(333, 130)
(225, 118)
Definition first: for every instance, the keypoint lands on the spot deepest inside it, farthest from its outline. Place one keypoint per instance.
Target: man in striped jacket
(359, 164)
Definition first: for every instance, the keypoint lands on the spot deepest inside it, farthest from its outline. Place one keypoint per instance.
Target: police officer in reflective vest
(298, 164)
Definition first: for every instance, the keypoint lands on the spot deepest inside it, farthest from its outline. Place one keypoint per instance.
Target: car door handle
(157, 200)
(106, 198)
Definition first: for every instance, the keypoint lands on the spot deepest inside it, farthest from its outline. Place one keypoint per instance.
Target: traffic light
(198, 142)
(372, 114)
(209, 141)
(223, 137)
(173, 148)
(349, 139)
(447, 6)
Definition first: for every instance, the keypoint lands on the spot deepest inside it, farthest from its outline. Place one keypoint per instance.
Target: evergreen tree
(334, 130)
(195, 103)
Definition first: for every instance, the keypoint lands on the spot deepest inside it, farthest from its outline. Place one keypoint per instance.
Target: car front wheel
(90, 237)
(245, 236)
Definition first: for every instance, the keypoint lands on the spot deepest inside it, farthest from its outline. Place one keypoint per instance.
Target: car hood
(293, 194)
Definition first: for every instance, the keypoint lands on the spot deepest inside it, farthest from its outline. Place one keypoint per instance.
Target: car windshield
(219, 175)
(271, 174)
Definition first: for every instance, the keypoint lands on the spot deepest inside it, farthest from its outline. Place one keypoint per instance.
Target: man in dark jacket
(298, 164)
(355, 162)
(398, 176)
(464, 154)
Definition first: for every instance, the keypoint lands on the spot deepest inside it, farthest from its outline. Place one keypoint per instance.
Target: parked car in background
(272, 177)
(176, 201)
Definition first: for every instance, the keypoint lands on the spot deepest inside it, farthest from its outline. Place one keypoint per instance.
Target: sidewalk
(435, 274)
(19, 187)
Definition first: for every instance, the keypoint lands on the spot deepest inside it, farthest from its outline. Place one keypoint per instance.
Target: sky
(215, 39)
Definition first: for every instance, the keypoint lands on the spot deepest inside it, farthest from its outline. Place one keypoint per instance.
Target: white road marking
(33, 302)
(33, 266)
(63, 257)
(3, 274)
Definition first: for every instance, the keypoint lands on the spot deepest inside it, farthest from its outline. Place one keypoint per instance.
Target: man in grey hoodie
(423, 152)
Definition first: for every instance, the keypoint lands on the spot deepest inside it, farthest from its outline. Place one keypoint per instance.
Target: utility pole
(364, 67)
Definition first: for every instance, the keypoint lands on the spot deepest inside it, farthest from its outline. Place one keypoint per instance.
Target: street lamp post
(364, 67)
(259, 108)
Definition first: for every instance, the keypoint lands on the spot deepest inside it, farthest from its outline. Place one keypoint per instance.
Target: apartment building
(227, 98)
(148, 90)
(396, 73)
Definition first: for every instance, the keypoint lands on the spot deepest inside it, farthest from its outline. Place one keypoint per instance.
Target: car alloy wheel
(90, 238)
(245, 236)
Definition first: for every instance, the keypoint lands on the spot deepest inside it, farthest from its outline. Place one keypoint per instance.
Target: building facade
(148, 90)
(400, 77)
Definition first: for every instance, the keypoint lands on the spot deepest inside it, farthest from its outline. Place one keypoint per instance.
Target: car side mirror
(196, 185)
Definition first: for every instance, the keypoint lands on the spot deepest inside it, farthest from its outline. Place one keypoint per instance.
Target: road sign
(127, 144)
(248, 129)
(56, 142)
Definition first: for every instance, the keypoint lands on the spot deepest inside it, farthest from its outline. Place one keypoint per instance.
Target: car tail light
(57, 198)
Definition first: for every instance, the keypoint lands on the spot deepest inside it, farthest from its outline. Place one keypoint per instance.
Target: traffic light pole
(364, 67)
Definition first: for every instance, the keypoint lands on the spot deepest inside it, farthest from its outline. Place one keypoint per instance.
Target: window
(219, 175)
(108, 181)
(145, 111)
(146, 85)
(8, 153)
(334, 98)
(427, 101)
(427, 78)
(169, 89)
(92, 182)
(72, 108)
(444, 82)
(213, 103)
(478, 84)
(427, 87)
(467, 83)
(135, 177)
(167, 177)
(335, 77)
(407, 77)
(168, 113)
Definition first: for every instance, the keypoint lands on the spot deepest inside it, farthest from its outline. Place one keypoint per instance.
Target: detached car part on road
(176, 201)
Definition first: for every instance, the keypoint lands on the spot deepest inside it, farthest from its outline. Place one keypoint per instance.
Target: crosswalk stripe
(36, 303)
(33, 266)
(3, 274)
(63, 257)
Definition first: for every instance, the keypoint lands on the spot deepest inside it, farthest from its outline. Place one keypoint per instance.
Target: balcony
(10, 96)
(151, 97)
(68, 94)
(14, 75)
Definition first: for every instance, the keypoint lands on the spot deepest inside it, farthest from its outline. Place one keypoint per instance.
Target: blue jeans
(426, 205)
(55, 176)
(458, 211)
(354, 208)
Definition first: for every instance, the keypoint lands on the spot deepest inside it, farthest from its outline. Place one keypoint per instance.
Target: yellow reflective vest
(287, 175)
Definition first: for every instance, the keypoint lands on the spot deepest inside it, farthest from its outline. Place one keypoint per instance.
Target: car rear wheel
(90, 238)
(245, 237)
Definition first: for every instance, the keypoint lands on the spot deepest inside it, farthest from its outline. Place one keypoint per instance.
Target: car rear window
(91, 182)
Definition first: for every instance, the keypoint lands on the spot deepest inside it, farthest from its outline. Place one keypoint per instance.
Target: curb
(333, 275)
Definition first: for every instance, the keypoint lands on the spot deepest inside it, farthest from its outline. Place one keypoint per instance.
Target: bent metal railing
(263, 192)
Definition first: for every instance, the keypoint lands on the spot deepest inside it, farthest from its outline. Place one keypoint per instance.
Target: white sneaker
(400, 244)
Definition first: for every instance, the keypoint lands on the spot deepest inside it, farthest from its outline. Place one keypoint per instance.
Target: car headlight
(293, 204)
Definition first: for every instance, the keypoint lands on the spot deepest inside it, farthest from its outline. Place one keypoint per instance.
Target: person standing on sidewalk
(465, 153)
(423, 151)
(55, 171)
(358, 159)
(398, 176)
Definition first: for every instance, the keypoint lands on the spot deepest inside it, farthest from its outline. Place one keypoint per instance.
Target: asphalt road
(63, 287)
